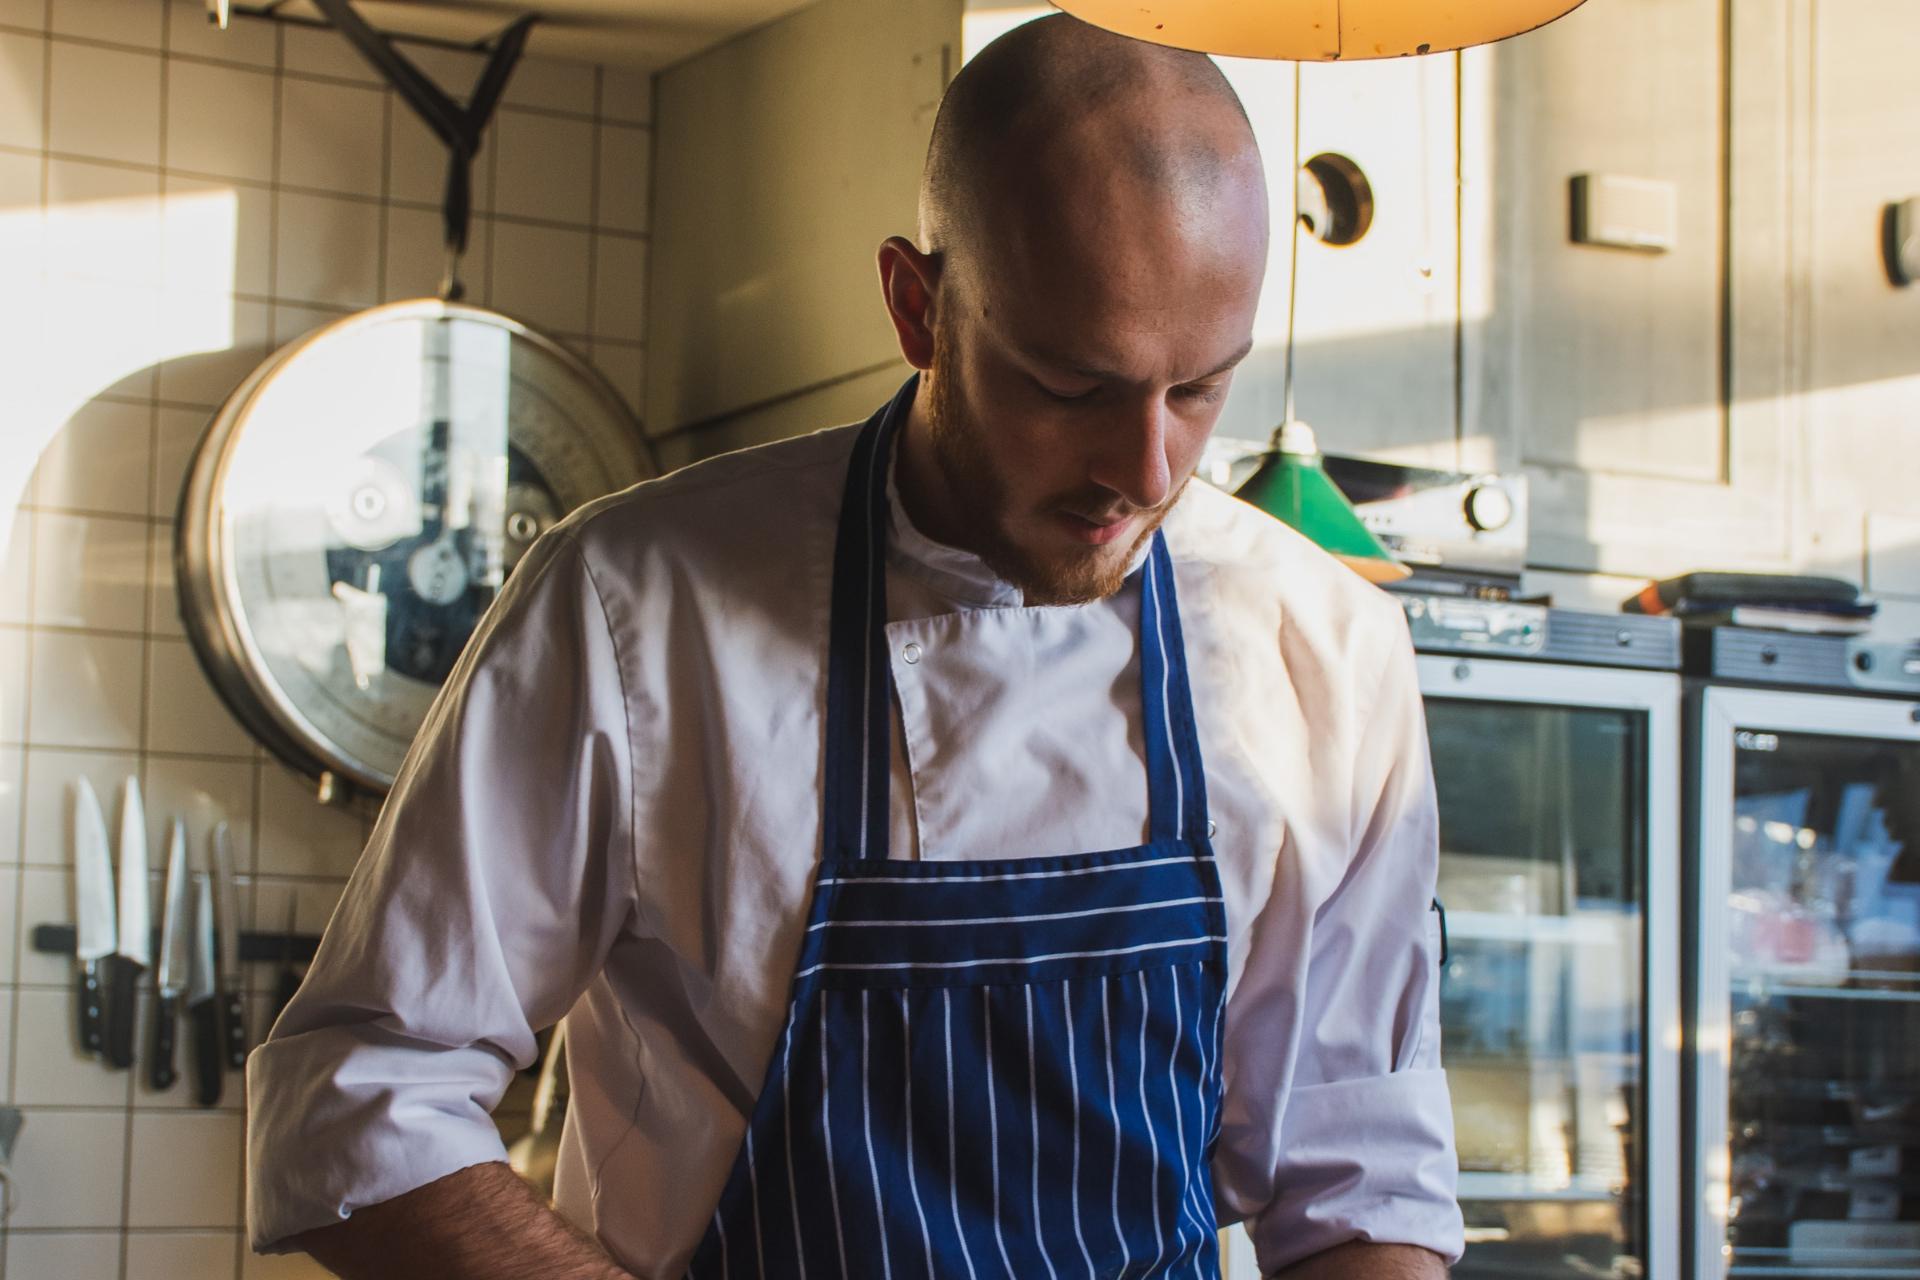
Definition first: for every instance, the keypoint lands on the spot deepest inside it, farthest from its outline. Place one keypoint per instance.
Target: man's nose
(1133, 457)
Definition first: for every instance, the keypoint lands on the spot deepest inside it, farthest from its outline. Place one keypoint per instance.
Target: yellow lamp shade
(1318, 30)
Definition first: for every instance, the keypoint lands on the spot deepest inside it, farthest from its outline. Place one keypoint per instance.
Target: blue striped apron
(1002, 1068)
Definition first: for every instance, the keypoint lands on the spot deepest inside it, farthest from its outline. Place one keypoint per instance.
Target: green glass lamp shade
(1293, 487)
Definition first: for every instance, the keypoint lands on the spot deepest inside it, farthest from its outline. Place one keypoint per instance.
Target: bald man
(959, 845)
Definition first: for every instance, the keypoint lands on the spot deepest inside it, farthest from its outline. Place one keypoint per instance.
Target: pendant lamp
(1292, 484)
(1319, 30)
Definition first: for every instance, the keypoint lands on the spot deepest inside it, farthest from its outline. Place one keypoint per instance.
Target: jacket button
(1211, 828)
(911, 653)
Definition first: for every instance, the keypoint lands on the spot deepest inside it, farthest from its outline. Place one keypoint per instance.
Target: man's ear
(909, 281)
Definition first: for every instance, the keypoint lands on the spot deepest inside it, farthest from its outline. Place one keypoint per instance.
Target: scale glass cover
(358, 502)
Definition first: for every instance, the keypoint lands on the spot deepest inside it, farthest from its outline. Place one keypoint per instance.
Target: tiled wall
(176, 201)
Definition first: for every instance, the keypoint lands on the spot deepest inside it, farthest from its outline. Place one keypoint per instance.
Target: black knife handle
(91, 998)
(234, 1018)
(209, 1058)
(121, 986)
(160, 1072)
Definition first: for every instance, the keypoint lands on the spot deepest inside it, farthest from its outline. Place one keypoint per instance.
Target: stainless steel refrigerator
(1558, 766)
(1803, 1080)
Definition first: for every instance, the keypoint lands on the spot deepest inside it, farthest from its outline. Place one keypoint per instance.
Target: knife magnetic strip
(259, 948)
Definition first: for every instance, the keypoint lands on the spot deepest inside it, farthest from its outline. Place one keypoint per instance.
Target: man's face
(1071, 394)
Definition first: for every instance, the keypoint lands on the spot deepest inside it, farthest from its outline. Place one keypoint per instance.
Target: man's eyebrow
(1084, 370)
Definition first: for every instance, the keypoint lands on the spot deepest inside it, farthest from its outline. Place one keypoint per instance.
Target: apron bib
(1001, 1068)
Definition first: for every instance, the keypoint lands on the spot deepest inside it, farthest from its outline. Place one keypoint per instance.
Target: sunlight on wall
(100, 290)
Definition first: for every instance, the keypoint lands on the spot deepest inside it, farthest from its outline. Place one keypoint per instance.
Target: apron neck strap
(859, 719)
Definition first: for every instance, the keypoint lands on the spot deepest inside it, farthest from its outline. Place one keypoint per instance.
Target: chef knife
(93, 902)
(227, 937)
(170, 979)
(209, 1050)
(135, 949)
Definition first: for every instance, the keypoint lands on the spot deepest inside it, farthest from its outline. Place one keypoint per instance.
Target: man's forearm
(1361, 1261)
(482, 1223)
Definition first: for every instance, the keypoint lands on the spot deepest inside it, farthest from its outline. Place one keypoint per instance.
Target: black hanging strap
(460, 128)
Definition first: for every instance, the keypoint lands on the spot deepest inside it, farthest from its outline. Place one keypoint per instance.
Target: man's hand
(482, 1223)
(1362, 1261)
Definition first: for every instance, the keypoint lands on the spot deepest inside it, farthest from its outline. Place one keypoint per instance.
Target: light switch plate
(1625, 213)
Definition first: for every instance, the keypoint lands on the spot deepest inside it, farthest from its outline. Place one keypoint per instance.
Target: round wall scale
(358, 502)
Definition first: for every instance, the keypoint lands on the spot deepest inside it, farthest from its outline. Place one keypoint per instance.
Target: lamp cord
(1293, 253)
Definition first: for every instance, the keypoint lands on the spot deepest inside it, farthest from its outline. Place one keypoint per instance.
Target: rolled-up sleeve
(1364, 1147)
(497, 878)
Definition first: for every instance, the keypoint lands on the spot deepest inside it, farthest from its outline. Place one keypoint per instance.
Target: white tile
(626, 162)
(456, 71)
(553, 85)
(620, 289)
(101, 460)
(417, 255)
(289, 320)
(107, 336)
(202, 794)
(626, 94)
(417, 169)
(298, 835)
(31, 14)
(20, 181)
(330, 136)
(624, 364)
(176, 444)
(540, 276)
(329, 250)
(545, 167)
(282, 1266)
(248, 41)
(163, 596)
(185, 1170)
(105, 103)
(220, 121)
(9, 935)
(103, 223)
(61, 1255)
(217, 237)
(52, 1070)
(50, 780)
(46, 897)
(90, 571)
(314, 902)
(6, 1031)
(86, 690)
(184, 714)
(16, 570)
(212, 1255)
(322, 51)
(12, 780)
(14, 645)
(205, 378)
(68, 1169)
(23, 69)
(135, 22)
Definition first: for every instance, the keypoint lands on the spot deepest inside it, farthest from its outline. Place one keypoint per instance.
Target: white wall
(174, 202)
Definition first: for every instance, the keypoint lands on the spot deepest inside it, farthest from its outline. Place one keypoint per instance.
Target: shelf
(1499, 926)
(1760, 984)
(1518, 1186)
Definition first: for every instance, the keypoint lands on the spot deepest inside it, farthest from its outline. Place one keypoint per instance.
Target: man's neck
(924, 493)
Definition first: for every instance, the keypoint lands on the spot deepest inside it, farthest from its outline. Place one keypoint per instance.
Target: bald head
(1057, 119)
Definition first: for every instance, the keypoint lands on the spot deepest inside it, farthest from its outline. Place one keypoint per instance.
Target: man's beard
(978, 493)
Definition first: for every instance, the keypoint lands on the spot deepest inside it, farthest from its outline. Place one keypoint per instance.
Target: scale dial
(356, 505)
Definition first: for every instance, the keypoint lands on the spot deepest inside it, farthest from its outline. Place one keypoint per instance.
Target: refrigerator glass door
(1545, 864)
(1816, 899)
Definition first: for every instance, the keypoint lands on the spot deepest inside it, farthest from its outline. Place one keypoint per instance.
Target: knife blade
(209, 1052)
(227, 939)
(93, 904)
(134, 944)
(176, 940)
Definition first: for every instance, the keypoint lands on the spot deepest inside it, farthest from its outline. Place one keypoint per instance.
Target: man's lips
(1095, 532)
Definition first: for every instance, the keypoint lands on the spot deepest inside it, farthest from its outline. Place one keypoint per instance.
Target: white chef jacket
(612, 815)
